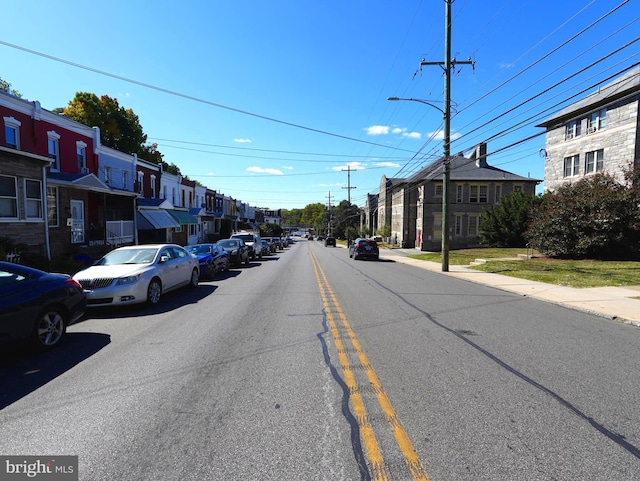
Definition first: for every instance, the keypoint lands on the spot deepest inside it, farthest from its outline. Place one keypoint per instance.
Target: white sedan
(134, 274)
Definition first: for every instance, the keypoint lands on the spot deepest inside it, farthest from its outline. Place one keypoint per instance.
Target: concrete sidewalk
(616, 303)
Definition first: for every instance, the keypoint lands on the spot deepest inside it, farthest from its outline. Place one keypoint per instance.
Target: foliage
(120, 128)
(312, 215)
(271, 230)
(596, 217)
(503, 225)
(385, 231)
(6, 87)
(345, 219)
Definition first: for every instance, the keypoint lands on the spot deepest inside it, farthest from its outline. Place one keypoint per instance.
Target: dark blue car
(212, 259)
(37, 306)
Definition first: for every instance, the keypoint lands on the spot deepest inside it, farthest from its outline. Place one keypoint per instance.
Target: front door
(77, 222)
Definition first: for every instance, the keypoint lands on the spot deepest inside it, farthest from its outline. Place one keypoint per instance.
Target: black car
(364, 249)
(238, 251)
(37, 306)
(330, 241)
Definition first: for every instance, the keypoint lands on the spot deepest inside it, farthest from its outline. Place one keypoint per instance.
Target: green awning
(182, 217)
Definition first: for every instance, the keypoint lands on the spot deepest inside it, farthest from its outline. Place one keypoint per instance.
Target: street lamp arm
(418, 100)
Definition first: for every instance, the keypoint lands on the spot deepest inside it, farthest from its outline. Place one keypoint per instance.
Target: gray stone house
(599, 133)
(474, 185)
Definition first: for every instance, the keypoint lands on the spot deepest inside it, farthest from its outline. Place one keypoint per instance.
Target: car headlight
(123, 281)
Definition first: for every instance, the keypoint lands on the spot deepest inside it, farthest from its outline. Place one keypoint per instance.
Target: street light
(446, 114)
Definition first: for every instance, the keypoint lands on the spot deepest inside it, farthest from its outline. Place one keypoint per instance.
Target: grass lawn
(573, 273)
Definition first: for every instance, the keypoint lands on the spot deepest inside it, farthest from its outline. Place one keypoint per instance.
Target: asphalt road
(309, 365)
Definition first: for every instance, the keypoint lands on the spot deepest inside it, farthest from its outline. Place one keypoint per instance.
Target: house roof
(84, 182)
(465, 169)
(628, 83)
(151, 219)
(159, 203)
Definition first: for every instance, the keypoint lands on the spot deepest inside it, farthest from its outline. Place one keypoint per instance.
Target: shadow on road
(22, 371)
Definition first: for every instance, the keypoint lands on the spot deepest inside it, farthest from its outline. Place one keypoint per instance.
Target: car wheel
(246, 261)
(50, 328)
(211, 270)
(154, 291)
(194, 278)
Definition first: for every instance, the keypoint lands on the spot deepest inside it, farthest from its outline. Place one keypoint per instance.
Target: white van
(253, 240)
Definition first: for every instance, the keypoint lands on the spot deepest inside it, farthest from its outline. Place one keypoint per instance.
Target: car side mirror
(163, 259)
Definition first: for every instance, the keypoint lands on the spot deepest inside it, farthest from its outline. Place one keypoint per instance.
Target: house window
(517, 188)
(478, 194)
(153, 186)
(107, 175)
(81, 154)
(164, 192)
(12, 132)
(457, 227)
(52, 206)
(140, 183)
(173, 195)
(459, 193)
(125, 179)
(594, 161)
(437, 225)
(596, 121)
(474, 225)
(498, 193)
(8, 197)
(438, 190)
(572, 129)
(571, 166)
(54, 149)
(33, 199)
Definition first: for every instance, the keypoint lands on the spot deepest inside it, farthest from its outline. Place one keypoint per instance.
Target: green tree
(596, 217)
(6, 87)
(312, 215)
(120, 128)
(503, 225)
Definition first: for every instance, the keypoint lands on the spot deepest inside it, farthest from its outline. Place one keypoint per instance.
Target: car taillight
(73, 282)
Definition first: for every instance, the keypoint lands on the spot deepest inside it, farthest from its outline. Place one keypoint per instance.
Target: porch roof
(151, 219)
(183, 217)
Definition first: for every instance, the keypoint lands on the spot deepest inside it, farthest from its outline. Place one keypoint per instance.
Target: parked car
(266, 247)
(134, 274)
(37, 306)
(212, 259)
(238, 251)
(253, 242)
(330, 241)
(273, 244)
(364, 249)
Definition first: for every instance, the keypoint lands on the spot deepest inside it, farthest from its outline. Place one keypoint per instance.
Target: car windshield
(199, 249)
(129, 256)
(244, 237)
(229, 243)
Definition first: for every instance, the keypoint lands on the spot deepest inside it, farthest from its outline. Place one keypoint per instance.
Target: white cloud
(387, 164)
(377, 130)
(351, 166)
(398, 130)
(261, 170)
(439, 135)
(412, 135)
(242, 141)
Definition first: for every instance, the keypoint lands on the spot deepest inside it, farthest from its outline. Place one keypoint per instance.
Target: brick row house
(63, 194)
(600, 133)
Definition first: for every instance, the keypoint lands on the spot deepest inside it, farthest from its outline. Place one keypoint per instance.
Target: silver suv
(254, 242)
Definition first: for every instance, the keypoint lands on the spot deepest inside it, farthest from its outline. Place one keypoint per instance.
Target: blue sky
(280, 103)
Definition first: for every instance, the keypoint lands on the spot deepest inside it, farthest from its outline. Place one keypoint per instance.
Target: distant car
(238, 251)
(135, 274)
(289, 240)
(37, 306)
(266, 247)
(253, 242)
(330, 241)
(212, 259)
(364, 249)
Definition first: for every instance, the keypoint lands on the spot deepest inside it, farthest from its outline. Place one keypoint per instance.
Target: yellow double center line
(368, 436)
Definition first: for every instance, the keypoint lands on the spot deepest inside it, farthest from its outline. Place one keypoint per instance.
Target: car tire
(49, 329)
(193, 283)
(246, 261)
(154, 291)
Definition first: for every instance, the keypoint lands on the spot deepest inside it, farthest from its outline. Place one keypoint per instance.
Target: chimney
(481, 155)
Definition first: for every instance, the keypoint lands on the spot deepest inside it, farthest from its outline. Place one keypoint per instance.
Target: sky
(283, 103)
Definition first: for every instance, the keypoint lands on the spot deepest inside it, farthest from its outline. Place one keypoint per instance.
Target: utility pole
(348, 187)
(447, 66)
(330, 230)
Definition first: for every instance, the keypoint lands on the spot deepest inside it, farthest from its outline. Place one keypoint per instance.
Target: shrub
(504, 225)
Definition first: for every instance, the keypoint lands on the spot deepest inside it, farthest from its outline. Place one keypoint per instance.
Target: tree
(120, 128)
(595, 217)
(312, 215)
(503, 225)
(6, 87)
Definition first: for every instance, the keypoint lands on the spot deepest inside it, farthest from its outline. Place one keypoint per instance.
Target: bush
(504, 225)
(596, 217)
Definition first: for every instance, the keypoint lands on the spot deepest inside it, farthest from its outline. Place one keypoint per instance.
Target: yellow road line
(411, 459)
